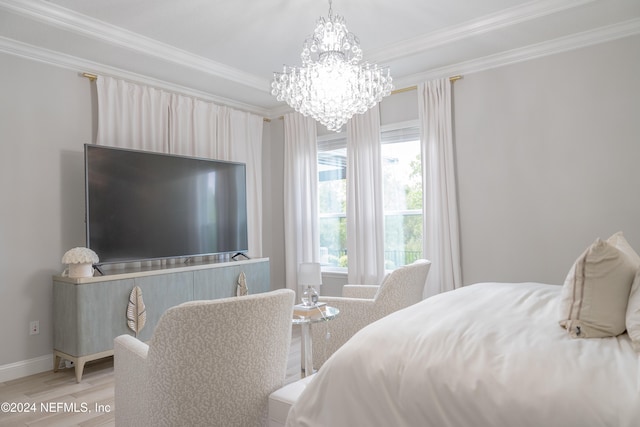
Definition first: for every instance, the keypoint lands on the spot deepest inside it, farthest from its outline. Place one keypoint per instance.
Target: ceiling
(227, 51)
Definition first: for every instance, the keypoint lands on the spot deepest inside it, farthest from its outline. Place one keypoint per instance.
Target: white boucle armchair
(361, 305)
(208, 363)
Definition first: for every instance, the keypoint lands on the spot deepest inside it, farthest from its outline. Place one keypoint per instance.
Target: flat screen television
(143, 205)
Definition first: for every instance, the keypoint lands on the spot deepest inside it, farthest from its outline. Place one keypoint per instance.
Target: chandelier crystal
(332, 85)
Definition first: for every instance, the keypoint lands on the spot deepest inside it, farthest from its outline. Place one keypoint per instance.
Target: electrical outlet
(34, 327)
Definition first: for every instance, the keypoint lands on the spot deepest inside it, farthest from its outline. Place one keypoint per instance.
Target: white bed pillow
(594, 298)
(621, 243)
(633, 306)
(633, 313)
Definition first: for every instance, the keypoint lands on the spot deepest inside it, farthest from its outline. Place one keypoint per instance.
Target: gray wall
(547, 160)
(46, 115)
(545, 157)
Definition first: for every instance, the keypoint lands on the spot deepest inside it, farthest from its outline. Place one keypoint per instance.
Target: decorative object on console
(241, 289)
(332, 85)
(136, 311)
(80, 262)
(309, 275)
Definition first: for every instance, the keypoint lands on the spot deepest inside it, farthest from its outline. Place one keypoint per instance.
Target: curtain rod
(94, 77)
(452, 79)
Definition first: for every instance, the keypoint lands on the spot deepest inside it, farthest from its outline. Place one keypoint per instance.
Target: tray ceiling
(228, 50)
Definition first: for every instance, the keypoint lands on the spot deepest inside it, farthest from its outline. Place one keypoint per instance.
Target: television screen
(142, 205)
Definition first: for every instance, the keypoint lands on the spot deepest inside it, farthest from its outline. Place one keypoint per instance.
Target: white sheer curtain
(365, 214)
(245, 145)
(301, 236)
(224, 146)
(145, 118)
(440, 207)
(193, 127)
(132, 116)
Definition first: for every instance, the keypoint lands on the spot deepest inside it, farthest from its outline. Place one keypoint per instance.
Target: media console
(89, 312)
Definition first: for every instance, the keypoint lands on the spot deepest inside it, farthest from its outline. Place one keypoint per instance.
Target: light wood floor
(96, 388)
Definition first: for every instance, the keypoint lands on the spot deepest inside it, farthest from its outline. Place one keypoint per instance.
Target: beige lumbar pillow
(596, 291)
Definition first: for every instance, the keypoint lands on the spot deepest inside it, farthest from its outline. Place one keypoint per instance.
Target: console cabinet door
(159, 293)
(221, 282)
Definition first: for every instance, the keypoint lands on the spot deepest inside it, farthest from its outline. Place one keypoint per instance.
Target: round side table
(305, 321)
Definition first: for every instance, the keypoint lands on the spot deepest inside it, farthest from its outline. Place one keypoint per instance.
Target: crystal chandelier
(332, 85)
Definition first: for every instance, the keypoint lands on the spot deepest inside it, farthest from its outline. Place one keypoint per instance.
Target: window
(402, 195)
(332, 202)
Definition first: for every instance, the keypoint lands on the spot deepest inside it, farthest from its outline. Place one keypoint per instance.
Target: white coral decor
(80, 261)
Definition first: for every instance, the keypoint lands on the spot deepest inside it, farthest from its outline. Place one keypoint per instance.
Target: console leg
(56, 362)
(79, 369)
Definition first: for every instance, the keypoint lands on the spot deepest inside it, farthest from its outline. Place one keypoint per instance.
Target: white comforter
(490, 354)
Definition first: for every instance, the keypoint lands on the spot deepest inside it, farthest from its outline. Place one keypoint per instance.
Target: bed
(489, 354)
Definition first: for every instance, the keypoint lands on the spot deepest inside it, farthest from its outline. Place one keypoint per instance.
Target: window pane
(332, 205)
(402, 189)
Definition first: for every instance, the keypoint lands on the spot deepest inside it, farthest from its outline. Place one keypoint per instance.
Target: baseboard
(25, 368)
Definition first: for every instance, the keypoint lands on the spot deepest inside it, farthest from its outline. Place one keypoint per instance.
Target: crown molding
(81, 65)
(279, 111)
(538, 50)
(575, 41)
(485, 24)
(69, 20)
(89, 27)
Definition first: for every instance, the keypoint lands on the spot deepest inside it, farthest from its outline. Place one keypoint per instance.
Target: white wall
(400, 107)
(46, 115)
(547, 160)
